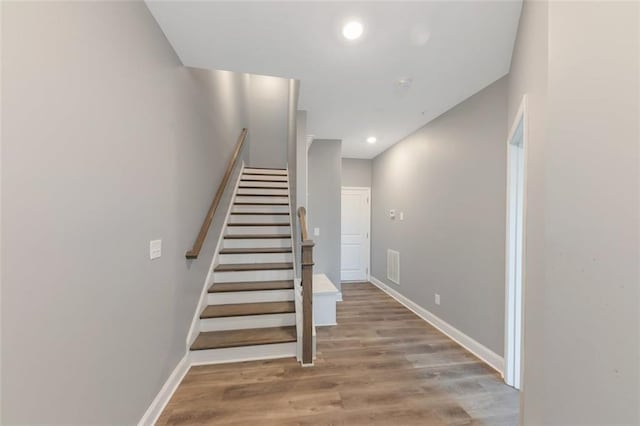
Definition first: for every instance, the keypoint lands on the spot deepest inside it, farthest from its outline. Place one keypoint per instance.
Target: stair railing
(307, 289)
(204, 229)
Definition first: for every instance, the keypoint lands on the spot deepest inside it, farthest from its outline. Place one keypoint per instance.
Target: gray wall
(356, 172)
(292, 160)
(324, 205)
(582, 323)
(449, 180)
(301, 180)
(528, 75)
(107, 143)
(269, 109)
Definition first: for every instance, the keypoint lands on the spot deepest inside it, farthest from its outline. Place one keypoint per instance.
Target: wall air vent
(393, 266)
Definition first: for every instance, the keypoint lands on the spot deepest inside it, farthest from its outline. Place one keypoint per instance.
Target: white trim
(368, 264)
(161, 400)
(509, 358)
(194, 330)
(491, 358)
(339, 297)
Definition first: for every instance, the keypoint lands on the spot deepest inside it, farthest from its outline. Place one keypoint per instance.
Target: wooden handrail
(204, 229)
(307, 289)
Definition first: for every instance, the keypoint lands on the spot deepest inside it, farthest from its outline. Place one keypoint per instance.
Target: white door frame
(367, 223)
(513, 353)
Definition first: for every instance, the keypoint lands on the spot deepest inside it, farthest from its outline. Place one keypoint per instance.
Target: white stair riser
(265, 171)
(259, 243)
(259, 218)
(268, 275)
(263, 184)
(260, 209)
(232, 297)
(261, 200)
(255, 258)
(261, 191)
(243, 353)
(263, 177)
(244, 230)
(247, 321)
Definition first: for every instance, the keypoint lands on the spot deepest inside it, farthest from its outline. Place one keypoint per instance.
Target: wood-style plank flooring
(380, 365)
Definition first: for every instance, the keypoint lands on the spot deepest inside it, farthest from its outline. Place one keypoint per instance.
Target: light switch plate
(437, 299)
(316, 232)
(401, 215)
(155, 249)
(392, 213)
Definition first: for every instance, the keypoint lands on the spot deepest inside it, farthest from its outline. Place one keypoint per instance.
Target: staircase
(250, 309)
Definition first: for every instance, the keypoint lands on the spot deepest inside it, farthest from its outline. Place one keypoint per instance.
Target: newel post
(307, 301)
(307, 289)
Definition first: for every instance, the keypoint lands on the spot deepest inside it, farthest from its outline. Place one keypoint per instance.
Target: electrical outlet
(316, 232)
(437, 299)
(155, 249)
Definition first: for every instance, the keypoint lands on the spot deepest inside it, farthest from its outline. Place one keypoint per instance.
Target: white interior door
(356, 215)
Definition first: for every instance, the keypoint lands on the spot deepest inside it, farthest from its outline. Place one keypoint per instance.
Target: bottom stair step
(248, 337)
(251, 286)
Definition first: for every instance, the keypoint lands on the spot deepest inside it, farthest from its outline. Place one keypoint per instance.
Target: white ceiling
(450, 50)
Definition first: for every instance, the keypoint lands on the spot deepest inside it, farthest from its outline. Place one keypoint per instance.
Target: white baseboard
(494, 360)
(161, 400)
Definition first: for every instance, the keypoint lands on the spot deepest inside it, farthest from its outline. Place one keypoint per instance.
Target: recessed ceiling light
(352, 30)
(372, 139)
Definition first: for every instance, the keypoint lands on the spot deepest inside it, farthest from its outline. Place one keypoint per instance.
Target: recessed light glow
(372, 139)
(352, 30)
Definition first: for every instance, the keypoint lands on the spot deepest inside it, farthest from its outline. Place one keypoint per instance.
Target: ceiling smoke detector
(404, 83)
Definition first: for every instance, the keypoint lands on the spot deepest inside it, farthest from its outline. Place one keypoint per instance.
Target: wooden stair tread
(261, 187)
(262, 213)
(262, 180)
(247, 337)
(243, 309)
(237, 267)
(259, 173)
(251, 286)
(255, 236)
(254, 250)
(259, 224)
(254, 203)
(262, 195)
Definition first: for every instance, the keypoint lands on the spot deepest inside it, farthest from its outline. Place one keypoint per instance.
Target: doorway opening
(355, 234)
(516, 215)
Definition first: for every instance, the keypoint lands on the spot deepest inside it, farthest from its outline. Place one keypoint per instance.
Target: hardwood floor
(380, 365)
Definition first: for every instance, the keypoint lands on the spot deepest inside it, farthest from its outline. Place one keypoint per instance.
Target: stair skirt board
(256, 208)
(263, 191)
(265, 170)
(247, 322)
(233, 297)
(269, 178)
(270, 275)
(262, 229)
(257, 243)
(235, 259)
(244, 353)
(263, 184)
